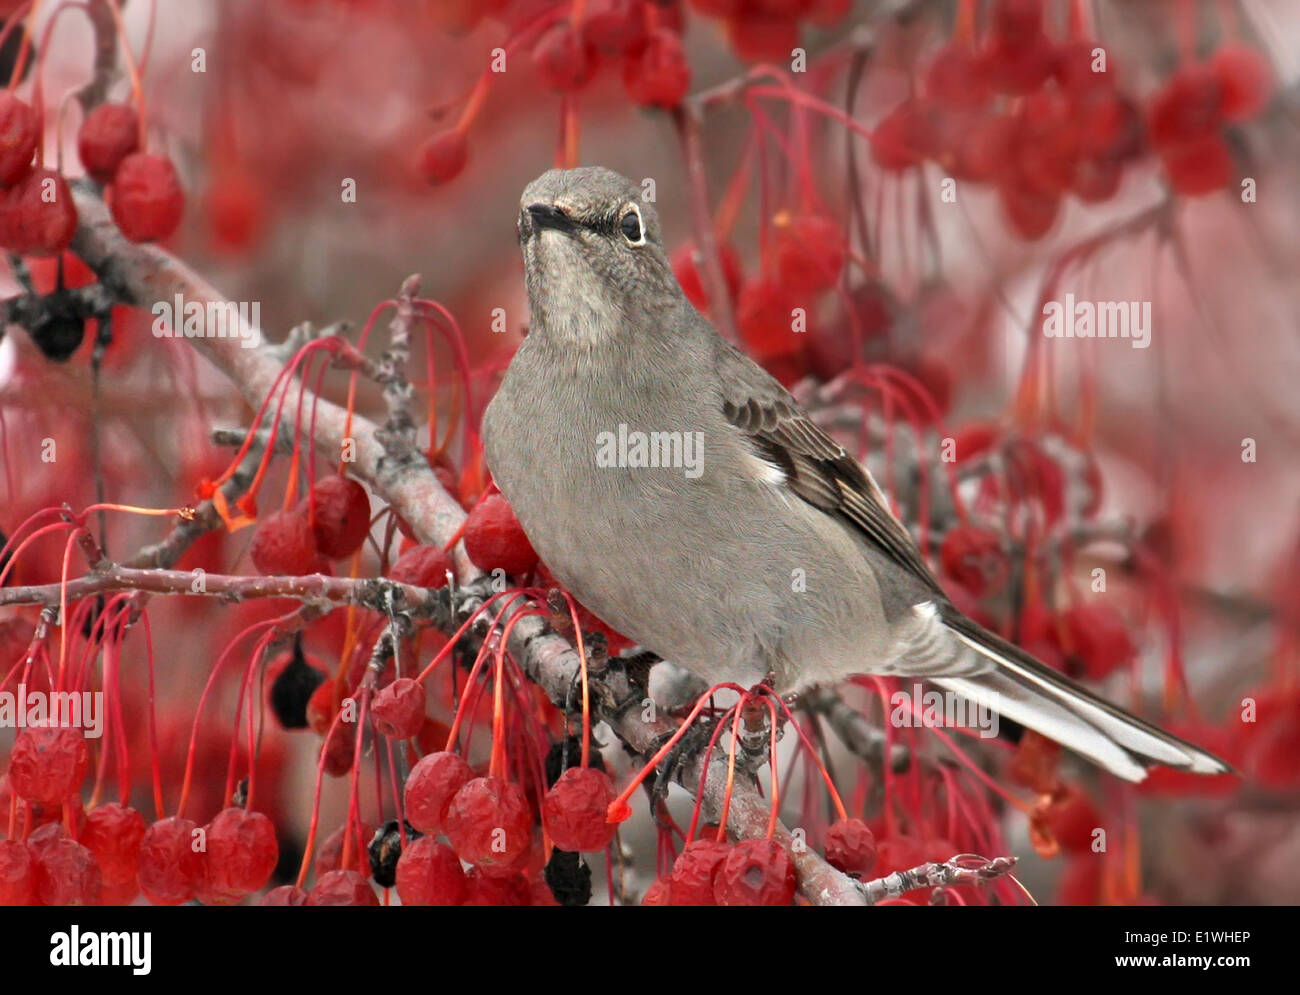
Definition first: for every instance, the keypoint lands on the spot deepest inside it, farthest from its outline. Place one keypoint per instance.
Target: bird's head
(593, 253)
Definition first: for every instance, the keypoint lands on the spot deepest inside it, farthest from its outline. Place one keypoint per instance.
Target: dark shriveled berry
(385, 849)
(293, 688)
(569, 878)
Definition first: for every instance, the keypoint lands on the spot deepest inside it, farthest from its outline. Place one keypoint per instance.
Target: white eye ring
(633, 208)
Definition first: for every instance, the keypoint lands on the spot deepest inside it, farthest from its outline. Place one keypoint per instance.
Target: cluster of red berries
(37, 213)
(1062, 126)
(330, 523)
(709, 871)
(62, 855)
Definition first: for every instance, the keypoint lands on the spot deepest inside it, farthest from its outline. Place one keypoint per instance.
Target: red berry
(614, 26)
(284, 544)
(1245, 81)
(113, 834)
(147, 197)
(323, 705)
(1031, 212)
(1018, 68)
(1272, 757)
(691, 881)
(765, 317)
(657, 74)
(330, 855)
(342, 888)
(1198, 167)
(398, 708)
(564, 59)
(688, 267)
(18, 137)
(47, 765)
(340, 509)
(109, 134)
(972, 557)
(430, 787)
(956, 77)
(494, 538)
(171, 868)
(758, 36)
(1069, 817)
(808, 253)
(235, 208)
(241, 853)
(573, 811)
(1074, 68)
(1035, 761)
(66, 874)
(422, 566)
(756, 872)
(37, 214)
(1097, 636)
(442, 157)
(429, 873)
(1187, 108)
(17, 874)
(658, 894)
(339, 749)
(286, 894)
(851, 847)
(902, 138)
(481, 889)
(489, 824)
(1017, 20)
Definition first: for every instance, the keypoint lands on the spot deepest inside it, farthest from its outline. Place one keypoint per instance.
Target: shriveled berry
(37, 214)
(489, 824)
(565, 61)
(569, 878)
(286, 894)
(658, 894)
(442, 157)
(430, 787)
(339, 748)
(429, 873)
(66, 874)
(17, 874)
(113, 834)
(956, 77)
(384, 849)
(657, 74)
(850, 847)
(342, 888)
(147, 197)
(18, 137)
(109, 134)
(284, 544)
(323, 705)
(171, 866)
(755, 872)
(494, 538)
(902, 138)
(329, 857)
(340, 512)
(482, 889)
(1187, 108)
(47, 765)
(292, 688)
(241, 852)
(691, 881)
(398, 708)
(422, 566)
(573, 811)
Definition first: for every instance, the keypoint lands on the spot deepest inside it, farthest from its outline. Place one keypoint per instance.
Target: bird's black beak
(548, 216)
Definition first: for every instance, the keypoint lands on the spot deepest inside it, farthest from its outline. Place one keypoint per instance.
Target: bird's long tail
(1020, 688)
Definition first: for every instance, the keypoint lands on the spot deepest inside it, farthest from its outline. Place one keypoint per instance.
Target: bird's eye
(630, 224)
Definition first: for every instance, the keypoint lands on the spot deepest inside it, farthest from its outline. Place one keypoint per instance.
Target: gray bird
(680, 493)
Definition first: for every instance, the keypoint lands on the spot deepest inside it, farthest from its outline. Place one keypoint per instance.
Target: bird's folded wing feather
(816, 468)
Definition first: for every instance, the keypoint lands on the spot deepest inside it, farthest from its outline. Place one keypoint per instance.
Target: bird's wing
(816, 467)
